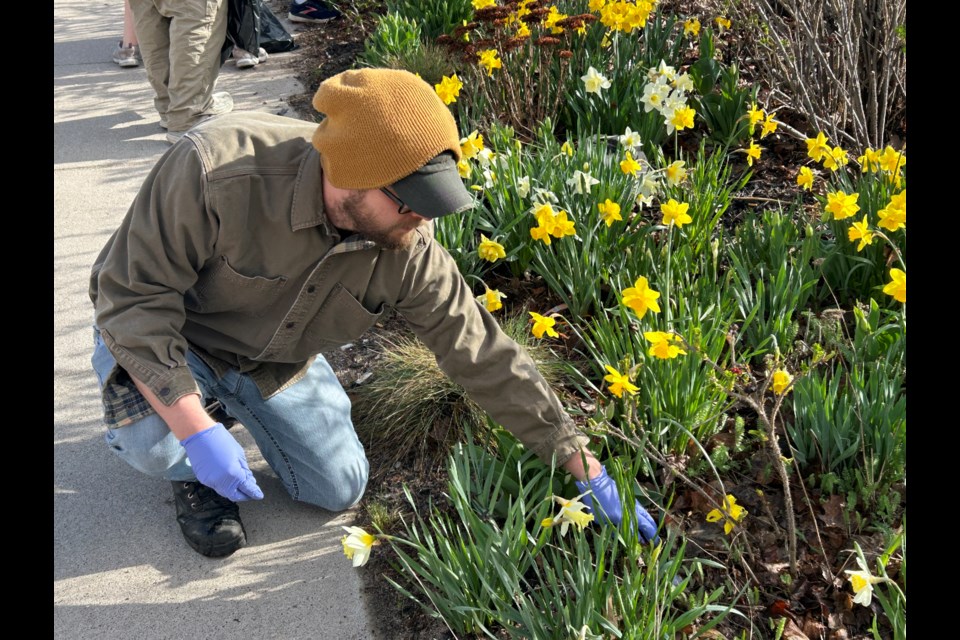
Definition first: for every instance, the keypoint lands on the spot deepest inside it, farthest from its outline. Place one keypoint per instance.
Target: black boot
(209, 522)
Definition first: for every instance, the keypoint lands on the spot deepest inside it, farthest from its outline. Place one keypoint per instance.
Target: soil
(816, 605)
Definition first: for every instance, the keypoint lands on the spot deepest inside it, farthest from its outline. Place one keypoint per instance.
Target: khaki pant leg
(153, 36)
(197, 31)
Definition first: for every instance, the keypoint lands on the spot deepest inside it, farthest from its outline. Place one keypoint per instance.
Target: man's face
(374, 215)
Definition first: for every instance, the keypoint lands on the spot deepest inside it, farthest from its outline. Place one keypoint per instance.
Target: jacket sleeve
(474, 352)
(139, 279)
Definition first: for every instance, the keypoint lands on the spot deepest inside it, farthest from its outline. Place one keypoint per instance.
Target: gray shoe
(126, 56)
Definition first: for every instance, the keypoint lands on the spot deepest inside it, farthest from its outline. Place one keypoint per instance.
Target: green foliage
(487, 565)
(435, 17)
(849, 429)
(395, 37)
(771, 280)
(725, 110)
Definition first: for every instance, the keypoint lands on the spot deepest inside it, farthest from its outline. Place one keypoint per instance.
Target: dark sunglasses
(403, 208)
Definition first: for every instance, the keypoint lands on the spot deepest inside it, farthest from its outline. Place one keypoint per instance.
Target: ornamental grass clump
(411, 411)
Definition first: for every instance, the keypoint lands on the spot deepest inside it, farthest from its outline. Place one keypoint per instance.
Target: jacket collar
(307, 210)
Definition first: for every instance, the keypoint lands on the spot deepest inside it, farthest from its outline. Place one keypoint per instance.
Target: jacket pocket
(341, 319)
(222, 289)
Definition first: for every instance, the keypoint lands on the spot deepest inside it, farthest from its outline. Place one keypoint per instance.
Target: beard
(358, 217)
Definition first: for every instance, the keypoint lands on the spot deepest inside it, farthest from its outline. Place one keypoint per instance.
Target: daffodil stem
(667, 298)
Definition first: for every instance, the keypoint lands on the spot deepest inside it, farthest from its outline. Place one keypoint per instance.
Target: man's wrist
(583, 465)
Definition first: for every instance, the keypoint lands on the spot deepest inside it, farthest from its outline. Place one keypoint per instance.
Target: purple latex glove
(606, 494)
(219, 462)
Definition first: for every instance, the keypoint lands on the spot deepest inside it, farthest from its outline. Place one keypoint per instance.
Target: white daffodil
(582, 182)
(594, 81)
(489, 177)
(542, 197)
(653, 96)
(357, 545)
(571, 512)
(523, 186)
(666, 71)
(683, 83)
(485, 156)
(862, 582)
(630, 139)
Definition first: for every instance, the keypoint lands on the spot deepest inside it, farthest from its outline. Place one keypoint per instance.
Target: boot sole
(217, 551)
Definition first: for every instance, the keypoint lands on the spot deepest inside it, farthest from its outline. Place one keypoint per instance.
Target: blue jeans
(304, 432)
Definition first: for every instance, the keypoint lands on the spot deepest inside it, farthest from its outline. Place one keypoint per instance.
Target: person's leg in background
(153, 33)
(127, 53)
(197, 31)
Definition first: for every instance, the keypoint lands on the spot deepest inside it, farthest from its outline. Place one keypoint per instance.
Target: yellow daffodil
(594, 81)
(489, 60)
(357, 545)
(676, 173)
(490, 299)
(722, 24)
(490, 250)
(682, 118)
(805, 178)
(675, 213)
(596, 5)
(731, 513)
(753, 153)
(449, 88)
(471, 145)
(609, 211)
(552, 18)
(755, 114)
(463, 168)
(691, 27)
(842, 205)
(562, 226)
(769, 126)
(662, 345)
(567, 148)
(543, 324)
(641, 298)
(892, 160)
(894, 215)
(862, 582)
(523, 31)
(860, 231)
(482, 4)
(629, 166)
(897, 287)
(619, 382)
(781, 380)
(835, 158)
(869, 161)
(817, 147)
(571, 512)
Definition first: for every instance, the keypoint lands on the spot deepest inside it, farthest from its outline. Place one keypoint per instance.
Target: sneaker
(209, 522)
(126, 56)
(220, 103)
(311, 11)
(262, 55)
(245, 59)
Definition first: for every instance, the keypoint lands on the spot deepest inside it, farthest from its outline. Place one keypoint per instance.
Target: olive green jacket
(226, 251)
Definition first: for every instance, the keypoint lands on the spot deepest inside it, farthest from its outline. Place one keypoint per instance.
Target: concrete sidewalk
(121, 566)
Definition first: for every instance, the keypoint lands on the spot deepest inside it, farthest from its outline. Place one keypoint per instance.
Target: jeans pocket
(102, 360)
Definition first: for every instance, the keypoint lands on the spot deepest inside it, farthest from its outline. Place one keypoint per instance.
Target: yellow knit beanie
(380, 126)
